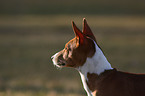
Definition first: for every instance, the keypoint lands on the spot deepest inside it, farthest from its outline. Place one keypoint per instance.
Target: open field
(72, 7)
(28, 41)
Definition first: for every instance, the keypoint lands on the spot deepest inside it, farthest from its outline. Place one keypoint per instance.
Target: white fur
(85, 84)
(55, 60)
(96, 64)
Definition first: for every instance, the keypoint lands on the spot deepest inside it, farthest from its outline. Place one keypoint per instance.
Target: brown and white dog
(98, 77)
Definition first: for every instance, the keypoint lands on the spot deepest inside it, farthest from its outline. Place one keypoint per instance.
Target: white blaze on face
(54, 60)
(93, 64)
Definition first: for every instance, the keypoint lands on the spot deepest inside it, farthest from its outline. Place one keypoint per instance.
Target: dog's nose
(52, 57)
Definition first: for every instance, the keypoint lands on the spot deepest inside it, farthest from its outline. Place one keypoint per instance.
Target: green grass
(27, 43)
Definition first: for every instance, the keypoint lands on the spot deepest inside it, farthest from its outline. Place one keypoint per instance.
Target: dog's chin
(60, 65)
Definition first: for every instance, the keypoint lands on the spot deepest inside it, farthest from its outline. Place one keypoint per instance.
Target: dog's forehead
(72, 43)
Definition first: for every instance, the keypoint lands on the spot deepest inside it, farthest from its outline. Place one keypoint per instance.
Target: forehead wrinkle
(71, 43)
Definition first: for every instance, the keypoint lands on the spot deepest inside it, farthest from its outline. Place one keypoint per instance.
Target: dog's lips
(59, 63)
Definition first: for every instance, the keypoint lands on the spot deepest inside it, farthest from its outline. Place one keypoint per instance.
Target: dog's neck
(96, 64)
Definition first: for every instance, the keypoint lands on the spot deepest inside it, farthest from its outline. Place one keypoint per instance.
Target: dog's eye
(67, 48)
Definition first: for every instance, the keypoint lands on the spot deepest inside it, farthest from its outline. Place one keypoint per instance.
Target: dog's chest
(94, 65)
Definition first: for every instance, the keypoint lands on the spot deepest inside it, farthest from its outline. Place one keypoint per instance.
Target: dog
(98, 77)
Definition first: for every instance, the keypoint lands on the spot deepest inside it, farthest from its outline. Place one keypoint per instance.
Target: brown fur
(77, 50)
(108, 83)
(69, 55)
(116, 83)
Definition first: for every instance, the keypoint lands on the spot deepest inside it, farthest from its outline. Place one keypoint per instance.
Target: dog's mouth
(58, 62)
(61, 63)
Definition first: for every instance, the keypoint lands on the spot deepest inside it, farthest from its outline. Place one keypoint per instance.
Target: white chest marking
(97, 64)
(85, 84)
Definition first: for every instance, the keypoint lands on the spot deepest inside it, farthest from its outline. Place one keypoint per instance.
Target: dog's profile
(98, 77)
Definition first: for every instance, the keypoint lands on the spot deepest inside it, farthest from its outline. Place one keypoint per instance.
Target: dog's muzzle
(56, 61)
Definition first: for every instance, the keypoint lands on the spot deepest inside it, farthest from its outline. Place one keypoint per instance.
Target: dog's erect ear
(78, 33)
(87, 31)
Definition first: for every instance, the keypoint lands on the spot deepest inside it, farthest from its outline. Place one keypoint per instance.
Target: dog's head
(78, 49)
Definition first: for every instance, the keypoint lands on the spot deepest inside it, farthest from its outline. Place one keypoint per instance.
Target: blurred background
(31, 31)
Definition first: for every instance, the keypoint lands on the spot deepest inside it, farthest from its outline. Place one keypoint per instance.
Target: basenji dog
(98, 77)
